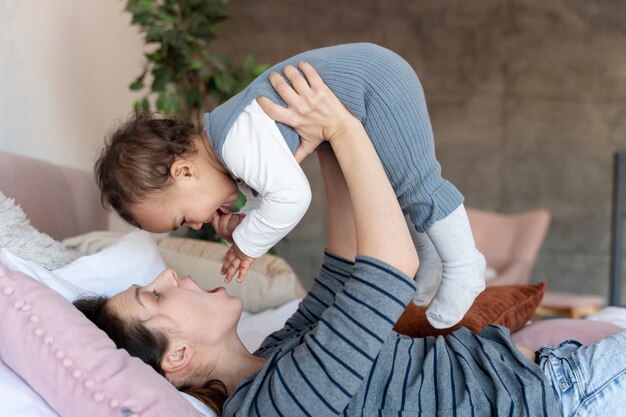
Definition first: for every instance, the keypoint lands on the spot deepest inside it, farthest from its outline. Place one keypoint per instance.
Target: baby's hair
(137, 157)
(148, 345)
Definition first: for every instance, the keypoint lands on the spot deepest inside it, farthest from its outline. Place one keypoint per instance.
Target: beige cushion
(270, 281)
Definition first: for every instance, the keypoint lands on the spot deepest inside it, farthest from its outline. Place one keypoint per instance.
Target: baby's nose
(195, 226)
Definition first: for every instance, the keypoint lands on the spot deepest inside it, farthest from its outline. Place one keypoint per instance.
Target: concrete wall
(526, 97)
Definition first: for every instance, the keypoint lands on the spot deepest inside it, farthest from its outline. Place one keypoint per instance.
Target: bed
(64, 203)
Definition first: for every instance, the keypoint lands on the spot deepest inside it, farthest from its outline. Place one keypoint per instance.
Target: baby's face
(187, 201)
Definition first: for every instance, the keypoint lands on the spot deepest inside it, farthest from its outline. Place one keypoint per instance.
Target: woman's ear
(177, 360)
(183, 168)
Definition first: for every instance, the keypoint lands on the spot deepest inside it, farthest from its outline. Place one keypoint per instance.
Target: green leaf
(224, 82)
(194, 64)
(161, 79)
(156, 56)
(147, 6)
(164, 104)
(145, 104)
(241, 201)
(138, 83)
(259, 69)
(194, 98)
(140, 6)
(137, 106)
(154, 34)
(166, 17)
(142, 19)
(248, 63)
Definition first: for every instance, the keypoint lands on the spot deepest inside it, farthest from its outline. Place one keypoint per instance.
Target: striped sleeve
(324, 372)
(330, 280)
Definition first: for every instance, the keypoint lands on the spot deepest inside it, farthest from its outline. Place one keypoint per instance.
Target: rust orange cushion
(508, 305)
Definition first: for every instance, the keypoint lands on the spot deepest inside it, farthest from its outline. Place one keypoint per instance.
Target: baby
(159, 175)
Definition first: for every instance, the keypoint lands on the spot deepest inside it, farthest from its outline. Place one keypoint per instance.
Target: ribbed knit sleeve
(321, 375)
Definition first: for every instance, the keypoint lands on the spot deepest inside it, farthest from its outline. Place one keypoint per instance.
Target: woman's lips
(214, 290)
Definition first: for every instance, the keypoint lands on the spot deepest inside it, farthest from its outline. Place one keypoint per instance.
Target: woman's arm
(340, 226)
(316, 114)
(338, 259)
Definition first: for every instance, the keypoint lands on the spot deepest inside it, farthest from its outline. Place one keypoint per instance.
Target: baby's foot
(460, 285)
(428, 275)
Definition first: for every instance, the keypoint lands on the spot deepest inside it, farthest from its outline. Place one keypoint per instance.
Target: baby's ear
(182, 168)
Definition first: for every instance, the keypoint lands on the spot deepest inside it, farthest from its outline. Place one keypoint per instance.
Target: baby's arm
(256, 153)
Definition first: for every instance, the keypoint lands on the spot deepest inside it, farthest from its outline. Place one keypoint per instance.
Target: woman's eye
(156, 294)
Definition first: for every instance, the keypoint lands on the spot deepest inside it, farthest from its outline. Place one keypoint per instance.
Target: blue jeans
(589, 380)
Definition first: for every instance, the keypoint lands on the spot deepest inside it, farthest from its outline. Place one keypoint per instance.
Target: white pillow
(68, 290)
(135, 259)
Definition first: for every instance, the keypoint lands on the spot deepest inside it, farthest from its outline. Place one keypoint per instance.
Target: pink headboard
(59, 201)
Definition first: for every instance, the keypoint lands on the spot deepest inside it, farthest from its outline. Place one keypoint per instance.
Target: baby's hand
(235, 261)
(225, 224)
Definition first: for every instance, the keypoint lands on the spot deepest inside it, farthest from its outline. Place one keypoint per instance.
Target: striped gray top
(338, 355)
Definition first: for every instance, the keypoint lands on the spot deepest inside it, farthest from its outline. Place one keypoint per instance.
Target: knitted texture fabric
(23, 240)
(381, 89)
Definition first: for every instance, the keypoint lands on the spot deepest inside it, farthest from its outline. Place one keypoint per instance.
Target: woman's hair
(137, 157)
(148, 345)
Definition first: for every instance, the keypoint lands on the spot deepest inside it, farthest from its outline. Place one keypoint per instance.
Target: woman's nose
(170, 277)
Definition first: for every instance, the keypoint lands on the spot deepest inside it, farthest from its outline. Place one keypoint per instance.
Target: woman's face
(178, 305)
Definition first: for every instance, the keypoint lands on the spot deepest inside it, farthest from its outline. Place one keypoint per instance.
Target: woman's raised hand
(314, 111)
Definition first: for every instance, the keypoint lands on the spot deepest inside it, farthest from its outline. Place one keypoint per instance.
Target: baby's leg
(463, 276)
(428, 276)
(397, 121)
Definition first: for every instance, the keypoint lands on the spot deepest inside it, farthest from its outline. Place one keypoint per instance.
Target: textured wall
(527, 100)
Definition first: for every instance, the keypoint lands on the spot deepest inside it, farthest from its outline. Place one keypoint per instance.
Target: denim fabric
(589, 380)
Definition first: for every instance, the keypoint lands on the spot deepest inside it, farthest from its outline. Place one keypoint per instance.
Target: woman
(338, 354)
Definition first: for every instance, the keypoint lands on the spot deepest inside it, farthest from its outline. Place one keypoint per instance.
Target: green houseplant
(182, 75)
(187, 77)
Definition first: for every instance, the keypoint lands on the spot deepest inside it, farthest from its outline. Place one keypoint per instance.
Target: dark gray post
(615, 288)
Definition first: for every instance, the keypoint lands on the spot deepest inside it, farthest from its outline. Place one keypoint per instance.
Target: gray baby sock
(463, 273)
(428, 275)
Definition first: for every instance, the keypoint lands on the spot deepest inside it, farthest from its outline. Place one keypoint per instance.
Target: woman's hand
(314, 111)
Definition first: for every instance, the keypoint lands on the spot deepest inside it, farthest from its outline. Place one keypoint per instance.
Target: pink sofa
(66, 204)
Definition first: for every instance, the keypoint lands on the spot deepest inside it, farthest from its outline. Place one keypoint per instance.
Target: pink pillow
(551, 332)
(72, 364)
